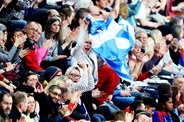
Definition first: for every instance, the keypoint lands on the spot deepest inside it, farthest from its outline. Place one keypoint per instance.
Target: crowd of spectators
(49, 72)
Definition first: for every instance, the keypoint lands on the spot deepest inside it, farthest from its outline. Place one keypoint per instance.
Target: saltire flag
(112, 41)
(85, 112)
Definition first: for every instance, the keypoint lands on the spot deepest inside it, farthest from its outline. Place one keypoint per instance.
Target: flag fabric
(112, 41)
(85, 112)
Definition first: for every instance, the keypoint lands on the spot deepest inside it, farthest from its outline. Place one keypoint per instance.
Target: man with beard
(48, 102)
(5, 106)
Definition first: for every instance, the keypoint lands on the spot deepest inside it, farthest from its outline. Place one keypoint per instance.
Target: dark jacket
(15, 114)
(48, 109)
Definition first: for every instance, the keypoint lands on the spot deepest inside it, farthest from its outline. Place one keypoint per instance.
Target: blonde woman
(58, 80)
(81, 76)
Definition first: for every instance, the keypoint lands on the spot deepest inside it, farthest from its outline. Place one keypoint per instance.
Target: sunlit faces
(75, 75)
(143, 37)
(87, 46)
(6, 104)
(102, 3)
(55, 27)
(32, 80)
(136, 50)
(31, 104)
(55, 95)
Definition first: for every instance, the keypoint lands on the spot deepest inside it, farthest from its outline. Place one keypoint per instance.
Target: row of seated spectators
(49, 71)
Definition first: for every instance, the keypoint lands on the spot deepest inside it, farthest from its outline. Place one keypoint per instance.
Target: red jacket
(31, 62)
(107, 82)
(143, 76)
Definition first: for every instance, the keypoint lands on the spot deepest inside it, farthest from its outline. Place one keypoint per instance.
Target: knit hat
(50, 73)
(165, 30)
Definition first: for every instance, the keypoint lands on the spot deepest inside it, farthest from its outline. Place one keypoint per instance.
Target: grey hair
(1, 33)
(176, 77)
(82, 4)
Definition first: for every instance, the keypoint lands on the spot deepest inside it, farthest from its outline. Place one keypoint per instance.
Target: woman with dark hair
(165, 107)
(58, 52)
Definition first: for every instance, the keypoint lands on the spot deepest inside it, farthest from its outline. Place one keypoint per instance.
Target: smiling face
(31, 104)
(87, 47)
(55, 95)
(32, 80)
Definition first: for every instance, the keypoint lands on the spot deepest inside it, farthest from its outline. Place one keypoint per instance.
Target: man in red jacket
(32, 61)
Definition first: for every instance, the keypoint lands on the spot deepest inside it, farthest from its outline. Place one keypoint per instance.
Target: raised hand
(82, 64)
(60, 57)
(19, 40)
(10, 67)
(97, 94)
(39, 88)
(48, 43)
(22, 119)
(75, 96)
(24, 52)
(73, 35)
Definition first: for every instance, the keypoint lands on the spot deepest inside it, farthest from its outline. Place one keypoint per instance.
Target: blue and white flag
(112, 41)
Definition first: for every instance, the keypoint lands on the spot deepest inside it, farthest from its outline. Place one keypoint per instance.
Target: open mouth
(87, 49)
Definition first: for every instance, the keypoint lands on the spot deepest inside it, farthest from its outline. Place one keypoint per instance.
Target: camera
(29, 44)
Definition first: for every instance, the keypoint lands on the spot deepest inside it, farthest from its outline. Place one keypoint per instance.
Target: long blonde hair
(150, 47)
(58, 80)
(156, 35)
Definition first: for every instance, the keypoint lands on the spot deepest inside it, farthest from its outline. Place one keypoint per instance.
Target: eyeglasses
(55, 93)
(144, 38)
(75, 75)
(34, 30)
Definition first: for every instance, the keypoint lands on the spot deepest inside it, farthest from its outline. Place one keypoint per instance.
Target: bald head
(52, 12)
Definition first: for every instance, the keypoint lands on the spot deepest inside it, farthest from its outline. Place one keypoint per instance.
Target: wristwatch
(10, 82)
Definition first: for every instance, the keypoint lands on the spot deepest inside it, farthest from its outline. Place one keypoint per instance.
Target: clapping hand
(24, 52)
(48, 43)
